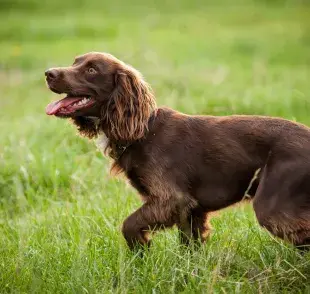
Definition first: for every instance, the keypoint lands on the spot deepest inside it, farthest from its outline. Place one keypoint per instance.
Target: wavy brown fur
(86, 126)
(125, 116)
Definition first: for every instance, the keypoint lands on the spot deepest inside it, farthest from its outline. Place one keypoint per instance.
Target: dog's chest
(102, 142)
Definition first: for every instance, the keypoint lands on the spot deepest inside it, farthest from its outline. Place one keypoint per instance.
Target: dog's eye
(91, 70)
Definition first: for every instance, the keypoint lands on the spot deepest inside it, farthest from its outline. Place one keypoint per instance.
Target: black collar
(118, 149)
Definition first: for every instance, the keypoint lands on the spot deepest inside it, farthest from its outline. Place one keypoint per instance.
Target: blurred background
(219, 57)
(204, 57)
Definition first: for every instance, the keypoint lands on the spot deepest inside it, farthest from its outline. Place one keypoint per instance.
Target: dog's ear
(130, 106)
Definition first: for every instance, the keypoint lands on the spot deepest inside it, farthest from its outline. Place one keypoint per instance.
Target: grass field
(61, 212)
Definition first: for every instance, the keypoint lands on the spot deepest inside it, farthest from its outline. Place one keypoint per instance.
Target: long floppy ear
(130, 106)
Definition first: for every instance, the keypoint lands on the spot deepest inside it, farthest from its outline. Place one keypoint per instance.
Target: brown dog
(187, 166)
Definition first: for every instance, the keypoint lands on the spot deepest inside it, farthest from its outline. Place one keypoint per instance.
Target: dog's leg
(200, 226)
(303, 238)
(282, 201)
(150, 217)
(195, 228)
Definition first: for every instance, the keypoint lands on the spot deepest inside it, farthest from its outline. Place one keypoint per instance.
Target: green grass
(61, 212)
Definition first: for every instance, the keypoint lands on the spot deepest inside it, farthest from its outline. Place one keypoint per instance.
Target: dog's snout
(52, 73)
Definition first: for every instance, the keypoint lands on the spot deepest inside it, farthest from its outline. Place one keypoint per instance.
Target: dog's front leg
(194, 227)
(148, 218)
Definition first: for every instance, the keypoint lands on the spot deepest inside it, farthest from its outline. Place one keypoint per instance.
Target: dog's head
(102, 91)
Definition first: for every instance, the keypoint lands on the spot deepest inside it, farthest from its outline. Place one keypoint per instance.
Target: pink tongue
(54, 107)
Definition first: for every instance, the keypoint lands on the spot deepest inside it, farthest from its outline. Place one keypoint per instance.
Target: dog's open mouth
(69, 105)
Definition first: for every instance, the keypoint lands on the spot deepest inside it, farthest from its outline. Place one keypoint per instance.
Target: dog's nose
(51, 73)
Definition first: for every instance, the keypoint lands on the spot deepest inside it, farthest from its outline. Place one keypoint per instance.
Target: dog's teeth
(81, 102)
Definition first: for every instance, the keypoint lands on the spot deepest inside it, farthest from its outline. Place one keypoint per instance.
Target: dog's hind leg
(282, 201)
(303, 240)
(292, 228)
